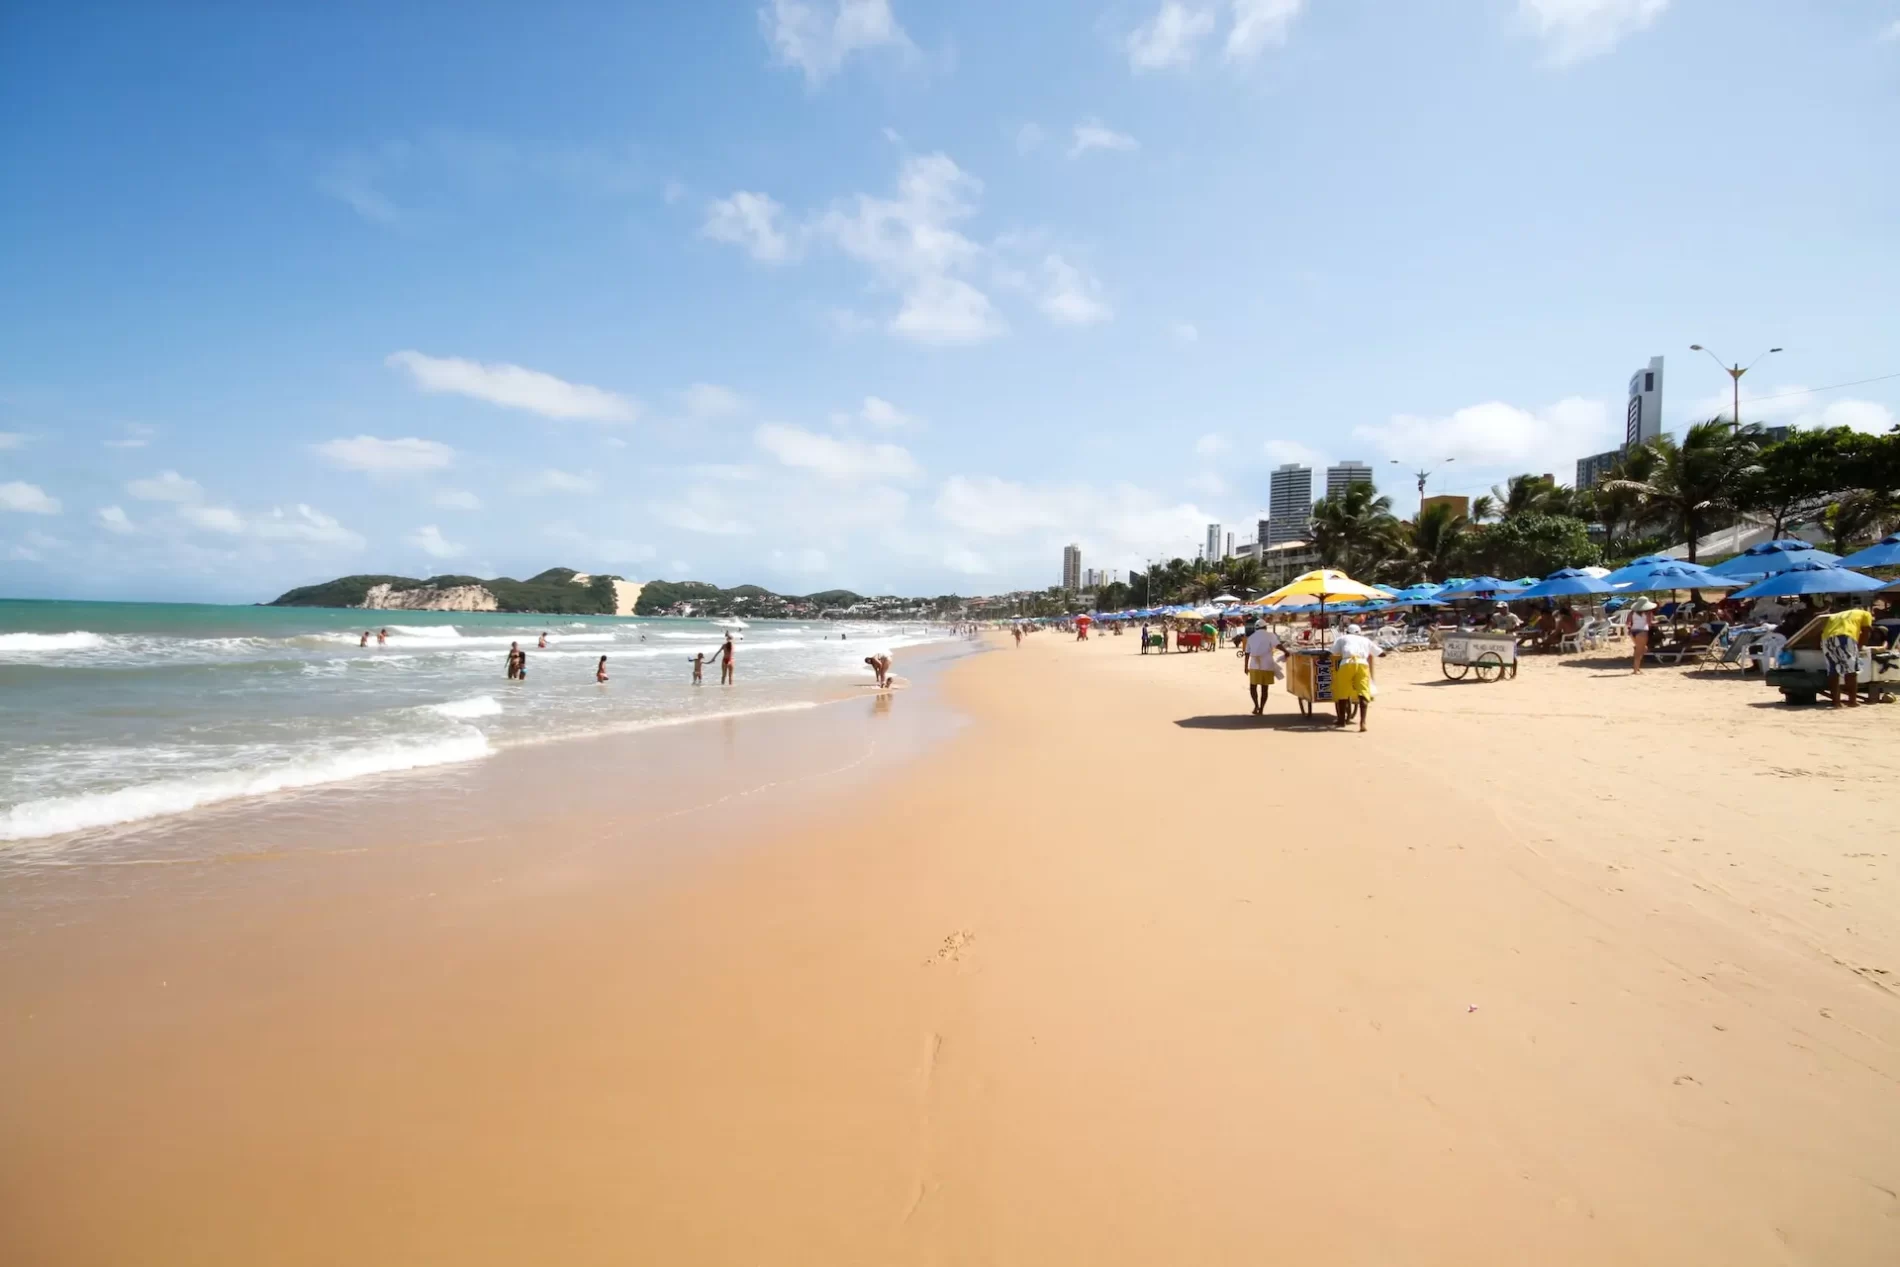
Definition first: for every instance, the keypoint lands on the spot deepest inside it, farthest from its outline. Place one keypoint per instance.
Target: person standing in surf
(600, 670)
(725, 654)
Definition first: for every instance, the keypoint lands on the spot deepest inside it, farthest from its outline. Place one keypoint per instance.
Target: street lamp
(1424, 475)
(1734, 372)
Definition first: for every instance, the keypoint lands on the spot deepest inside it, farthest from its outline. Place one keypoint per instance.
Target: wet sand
(1578, 968)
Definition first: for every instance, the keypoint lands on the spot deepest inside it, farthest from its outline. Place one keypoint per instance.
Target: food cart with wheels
(1309, 677)
(1488, 656)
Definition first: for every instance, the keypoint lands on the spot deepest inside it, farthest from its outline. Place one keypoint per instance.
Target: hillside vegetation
(552, 592)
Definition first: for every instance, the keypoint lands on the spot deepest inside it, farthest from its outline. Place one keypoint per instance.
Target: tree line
(1662, 493)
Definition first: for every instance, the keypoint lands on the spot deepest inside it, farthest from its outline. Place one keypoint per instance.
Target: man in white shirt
(1352, 674)
(1261, 649)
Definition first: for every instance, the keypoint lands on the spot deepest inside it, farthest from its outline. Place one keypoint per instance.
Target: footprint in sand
(953, 947)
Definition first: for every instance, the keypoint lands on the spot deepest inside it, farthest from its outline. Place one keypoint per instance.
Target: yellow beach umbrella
(1325, 584)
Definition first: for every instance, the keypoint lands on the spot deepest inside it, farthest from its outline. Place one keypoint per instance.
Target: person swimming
(543, 644)
(382, 636)
(600, 670)
(365, 641)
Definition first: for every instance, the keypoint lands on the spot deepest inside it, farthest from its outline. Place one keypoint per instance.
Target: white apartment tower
(1212, 552)
(1289, 504)
(1344, 475)
(1072, 568)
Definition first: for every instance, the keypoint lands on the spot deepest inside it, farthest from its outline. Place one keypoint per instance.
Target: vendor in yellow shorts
(1352, 673)
(1260, 649)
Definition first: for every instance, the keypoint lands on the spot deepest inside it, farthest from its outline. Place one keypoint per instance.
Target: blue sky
(887, 294)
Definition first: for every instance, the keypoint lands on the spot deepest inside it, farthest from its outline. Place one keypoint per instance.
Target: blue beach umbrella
(1677, 576)
(1773, 556)
(1884, 553)
(1566, 583)
(1477, 585)
(1638, 567)
(1811, 578)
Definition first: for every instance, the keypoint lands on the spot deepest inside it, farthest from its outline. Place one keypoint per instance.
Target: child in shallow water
(699, 668)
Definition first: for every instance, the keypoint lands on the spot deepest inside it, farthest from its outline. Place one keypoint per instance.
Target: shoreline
(1111, 974)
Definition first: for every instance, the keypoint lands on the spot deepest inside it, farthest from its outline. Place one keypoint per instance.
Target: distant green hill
(552, 591)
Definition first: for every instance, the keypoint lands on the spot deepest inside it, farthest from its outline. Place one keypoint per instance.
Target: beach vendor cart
(1309, 677)
(1487, 656)
(1309, 670)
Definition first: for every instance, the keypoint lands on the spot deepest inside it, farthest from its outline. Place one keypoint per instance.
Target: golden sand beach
(1574, 969)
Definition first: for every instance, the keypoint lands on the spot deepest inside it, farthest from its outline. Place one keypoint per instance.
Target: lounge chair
(1693, 650)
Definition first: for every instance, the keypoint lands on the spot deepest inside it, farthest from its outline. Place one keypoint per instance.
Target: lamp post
(1424, 475)
(1735, 373)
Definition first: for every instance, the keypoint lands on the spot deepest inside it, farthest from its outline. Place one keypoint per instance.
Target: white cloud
(430, 541)
(1211, 445)
(1792, 405)
(1892, 31)
(835, 459)
(1028, 138)
(27, 499)
(816, 36)
(554, 481)
(1187, 332)
(1284, 451)
(11, 440)
(166, 486)
(1093, 134)
(704, 509)
(808, 560)
(1070, 296)
(1260, 25)
(137, 436)
(213, 519)
(114, 519)
(883, 414)
(966, 561)
(455, 499)
(707, 400)
(514, 387)
(751, 221)
(303, 524)
(1497, 435)
(912, 243)
(947, 310)
(1023, 526)
(1575, 30)
(1170, 37)
(386, 457)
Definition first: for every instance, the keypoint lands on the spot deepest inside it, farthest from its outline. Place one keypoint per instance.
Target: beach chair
(1616, 628)
(1585, 636)
(1693, 650)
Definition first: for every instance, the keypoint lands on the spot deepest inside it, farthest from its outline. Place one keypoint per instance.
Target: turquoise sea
(112, 713)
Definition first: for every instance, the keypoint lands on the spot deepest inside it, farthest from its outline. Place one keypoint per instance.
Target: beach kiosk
(1309, 670)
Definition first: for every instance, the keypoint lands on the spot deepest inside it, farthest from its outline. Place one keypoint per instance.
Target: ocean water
(113, 713)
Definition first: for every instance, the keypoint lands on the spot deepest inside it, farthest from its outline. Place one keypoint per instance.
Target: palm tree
(1482, 508)
(1244, 576)
(1695, 485)
(1434, 539)
(1531, 495)
(1356, 531)
(1859, 516)
(1204, 585)
(1615, 501)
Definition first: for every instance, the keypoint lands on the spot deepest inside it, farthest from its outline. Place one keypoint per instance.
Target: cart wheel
(1459, 676)
(1514, 670)
(1489, 667)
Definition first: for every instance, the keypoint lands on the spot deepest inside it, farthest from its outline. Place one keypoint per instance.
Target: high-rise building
(1596, 466)
(1071, 568)
(1229, 552)
(1342, 475)
(1289, 504)
(1212, 552)
(1642, 421)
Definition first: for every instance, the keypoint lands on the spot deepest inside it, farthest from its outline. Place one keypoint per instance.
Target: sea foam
(77, 640)
(53, 816)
